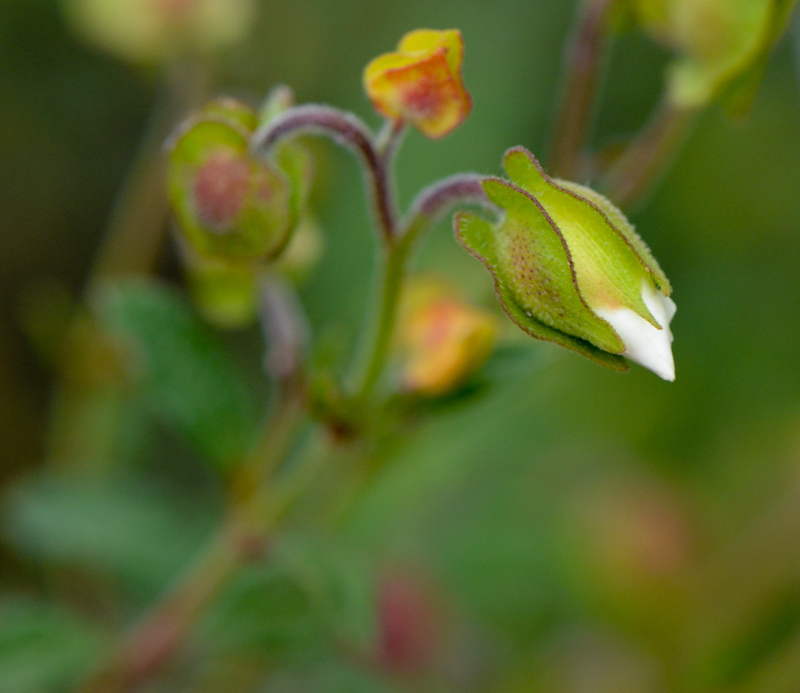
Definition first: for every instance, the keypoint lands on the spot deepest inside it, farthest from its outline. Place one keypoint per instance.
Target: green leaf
(186, 377)
(128, 530)
(305, 598)
(43, 648)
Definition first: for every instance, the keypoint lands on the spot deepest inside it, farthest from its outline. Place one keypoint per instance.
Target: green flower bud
(569, 268)
(230, 205)
(225, 293)
(722, 46)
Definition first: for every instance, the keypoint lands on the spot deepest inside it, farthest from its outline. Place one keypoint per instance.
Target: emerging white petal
(646, 345)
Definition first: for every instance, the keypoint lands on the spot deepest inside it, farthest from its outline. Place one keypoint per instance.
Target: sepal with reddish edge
(230, 205)
(569, 268)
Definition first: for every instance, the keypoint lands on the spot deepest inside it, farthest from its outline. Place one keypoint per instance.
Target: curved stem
(641, 165)
(584, 62)
(438, 199)
(350, 132)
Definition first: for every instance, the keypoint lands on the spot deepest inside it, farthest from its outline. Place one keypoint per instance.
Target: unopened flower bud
(443, 338)
(225, 293)
(721, 45)
(421, 82)
(569, 268)
(151, 31)
(230, 205)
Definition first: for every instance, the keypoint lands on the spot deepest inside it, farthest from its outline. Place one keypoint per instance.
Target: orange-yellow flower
(444, 339)
(421, 83)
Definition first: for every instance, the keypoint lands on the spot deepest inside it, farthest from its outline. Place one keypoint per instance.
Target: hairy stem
(350, 132)
(583, 64)
(647, 157)
(430, 205)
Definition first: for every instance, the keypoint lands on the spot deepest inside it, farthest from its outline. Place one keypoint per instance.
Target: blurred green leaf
(43, 648)
(130, 530)
(305, 598)
(187, 378)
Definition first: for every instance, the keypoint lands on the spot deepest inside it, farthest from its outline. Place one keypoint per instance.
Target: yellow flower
(421, 83)
(443, 338)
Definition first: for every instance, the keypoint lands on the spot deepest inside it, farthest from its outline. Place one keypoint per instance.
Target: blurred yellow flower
(151, 31)
(443, 339)
(421, 83)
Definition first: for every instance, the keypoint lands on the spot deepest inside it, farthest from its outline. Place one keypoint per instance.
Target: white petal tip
(645, 344)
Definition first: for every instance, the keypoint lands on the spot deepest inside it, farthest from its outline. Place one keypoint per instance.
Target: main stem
(648, 156)
(584, 63)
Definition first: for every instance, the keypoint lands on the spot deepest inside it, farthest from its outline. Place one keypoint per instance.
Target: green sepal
(550, 263)
(609, 259)
(232, 111)
(230, 206)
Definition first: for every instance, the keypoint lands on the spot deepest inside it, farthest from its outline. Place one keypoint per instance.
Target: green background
(582, 530)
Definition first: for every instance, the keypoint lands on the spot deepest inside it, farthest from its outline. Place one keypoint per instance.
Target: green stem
(429, 206)
(584, 62)
(631, 177)
(380, 333)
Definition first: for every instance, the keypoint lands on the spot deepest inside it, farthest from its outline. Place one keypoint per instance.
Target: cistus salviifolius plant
(567, 266)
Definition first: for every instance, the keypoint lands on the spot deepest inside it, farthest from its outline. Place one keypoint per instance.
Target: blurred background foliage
(571, 530)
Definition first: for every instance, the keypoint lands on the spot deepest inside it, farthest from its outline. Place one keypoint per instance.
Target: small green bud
(569, 268)
(721, 45)
(225, 293)
(230, 205)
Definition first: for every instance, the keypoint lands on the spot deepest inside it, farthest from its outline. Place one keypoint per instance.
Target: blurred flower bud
(722, 45)
(421, 83)
(569, 268)
(230, 205)
(409, 625)
(225, 293)
(150, 31)
(444, 339)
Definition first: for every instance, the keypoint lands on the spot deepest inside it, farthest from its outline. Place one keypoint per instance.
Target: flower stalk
(583, 64)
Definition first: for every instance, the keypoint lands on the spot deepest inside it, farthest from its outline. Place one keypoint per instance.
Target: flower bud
(569, 268)
(230, 205)
(721, 45)
(151, 31)
(443, 338)
(421, 83)
(225, 293)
